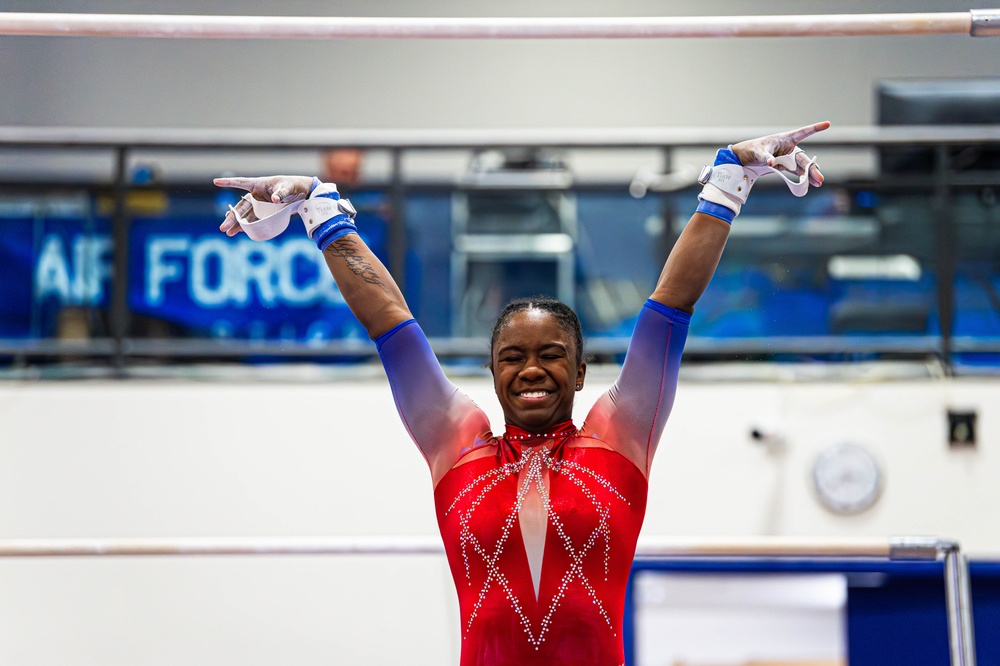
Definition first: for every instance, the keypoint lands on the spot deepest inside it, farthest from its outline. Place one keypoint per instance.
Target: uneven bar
(885, 548)
(646, 27)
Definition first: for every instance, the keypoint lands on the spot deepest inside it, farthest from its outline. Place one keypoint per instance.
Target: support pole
(961, 636)
(397, 222)
(945, 236)
(120, 222)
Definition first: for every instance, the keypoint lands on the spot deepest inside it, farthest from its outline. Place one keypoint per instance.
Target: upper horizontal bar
(327, 27)
(919, 548)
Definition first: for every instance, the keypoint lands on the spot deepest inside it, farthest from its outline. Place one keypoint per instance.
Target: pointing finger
(803, 133)
(240, 183)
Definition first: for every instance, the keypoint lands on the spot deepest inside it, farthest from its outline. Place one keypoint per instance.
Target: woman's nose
(531, 370)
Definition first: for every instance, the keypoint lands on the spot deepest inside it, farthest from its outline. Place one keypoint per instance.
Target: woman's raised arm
(696, 254)
(438, 417)
(363, 280)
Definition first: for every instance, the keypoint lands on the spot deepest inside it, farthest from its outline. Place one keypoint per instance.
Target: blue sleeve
(632, 414)
(440, 419)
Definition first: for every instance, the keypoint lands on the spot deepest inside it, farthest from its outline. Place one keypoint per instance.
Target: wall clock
(847, 479)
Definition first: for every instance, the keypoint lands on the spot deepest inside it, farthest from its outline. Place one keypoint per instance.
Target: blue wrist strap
(726, 156)
(332, 229)
(715, 210)
(723, 156)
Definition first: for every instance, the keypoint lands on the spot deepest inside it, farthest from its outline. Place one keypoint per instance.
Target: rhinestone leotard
(588, 486)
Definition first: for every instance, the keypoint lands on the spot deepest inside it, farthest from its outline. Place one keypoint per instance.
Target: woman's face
(535, 373)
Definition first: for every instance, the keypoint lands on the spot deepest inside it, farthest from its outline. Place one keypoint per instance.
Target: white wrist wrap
(726, 185)
(729, 184)
(316, 210)
(273, 218)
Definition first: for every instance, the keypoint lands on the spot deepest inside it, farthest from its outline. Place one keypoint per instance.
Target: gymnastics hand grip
(788, 162)
(272, 218)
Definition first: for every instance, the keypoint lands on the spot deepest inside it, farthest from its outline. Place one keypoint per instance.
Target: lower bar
(909, 548)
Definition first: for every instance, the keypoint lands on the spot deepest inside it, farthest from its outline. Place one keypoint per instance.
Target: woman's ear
(581, 372)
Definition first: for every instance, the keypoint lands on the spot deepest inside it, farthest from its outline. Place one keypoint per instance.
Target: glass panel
(851, 271)
(620, 252)
(845, 263)
(977, 277)
(427, 216)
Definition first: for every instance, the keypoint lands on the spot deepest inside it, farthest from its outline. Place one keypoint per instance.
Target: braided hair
(563, 314)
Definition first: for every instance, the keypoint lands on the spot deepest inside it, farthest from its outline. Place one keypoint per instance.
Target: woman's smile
(535, 372)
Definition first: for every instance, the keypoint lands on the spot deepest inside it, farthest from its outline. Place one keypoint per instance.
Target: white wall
(467, 83)
(273, 458)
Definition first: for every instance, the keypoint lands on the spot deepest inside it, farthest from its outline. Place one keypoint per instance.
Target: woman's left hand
(763, 150)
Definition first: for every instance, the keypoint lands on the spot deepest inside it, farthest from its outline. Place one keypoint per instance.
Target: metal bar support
(397, 222)
(961, 636)
(118, 311)
(944, 253)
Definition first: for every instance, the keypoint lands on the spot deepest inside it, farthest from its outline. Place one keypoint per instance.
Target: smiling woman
(536, 356)
(540, 524)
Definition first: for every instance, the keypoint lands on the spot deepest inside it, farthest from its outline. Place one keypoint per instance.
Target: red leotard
(540, 530)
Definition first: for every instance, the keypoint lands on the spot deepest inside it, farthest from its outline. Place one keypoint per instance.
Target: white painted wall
(274, 458)
(466, 83)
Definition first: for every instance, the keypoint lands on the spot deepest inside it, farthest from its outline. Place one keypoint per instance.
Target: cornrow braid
(563, 313)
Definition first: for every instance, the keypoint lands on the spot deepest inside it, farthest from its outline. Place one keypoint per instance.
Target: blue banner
(185, 278)
(51, 264)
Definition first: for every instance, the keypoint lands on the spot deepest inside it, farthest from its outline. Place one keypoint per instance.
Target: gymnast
(540, 523)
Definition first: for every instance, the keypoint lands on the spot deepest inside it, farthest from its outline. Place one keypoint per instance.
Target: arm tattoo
(345, 248)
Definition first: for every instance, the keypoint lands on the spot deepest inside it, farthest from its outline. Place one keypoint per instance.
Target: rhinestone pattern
(531, 467)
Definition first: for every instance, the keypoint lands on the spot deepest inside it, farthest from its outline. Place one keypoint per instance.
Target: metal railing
(122, 143)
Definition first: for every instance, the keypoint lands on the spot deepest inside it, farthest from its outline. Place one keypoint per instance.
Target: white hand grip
(271, 220)
(798, 187)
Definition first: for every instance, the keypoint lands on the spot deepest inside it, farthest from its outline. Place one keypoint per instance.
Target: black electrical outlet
(961, 428)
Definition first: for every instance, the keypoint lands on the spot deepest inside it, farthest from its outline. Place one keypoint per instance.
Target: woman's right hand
(274, 189)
